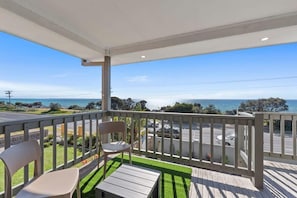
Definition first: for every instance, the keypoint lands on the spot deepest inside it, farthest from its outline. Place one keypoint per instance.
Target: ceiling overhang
(127, 39)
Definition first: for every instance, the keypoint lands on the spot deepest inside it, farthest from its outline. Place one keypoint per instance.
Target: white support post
(106, 102)
(258, 151)
(106, 84)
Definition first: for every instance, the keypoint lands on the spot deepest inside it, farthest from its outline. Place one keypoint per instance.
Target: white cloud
(137, 79)
(30, 90)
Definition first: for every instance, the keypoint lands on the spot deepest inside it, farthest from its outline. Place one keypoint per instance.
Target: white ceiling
(157, 29)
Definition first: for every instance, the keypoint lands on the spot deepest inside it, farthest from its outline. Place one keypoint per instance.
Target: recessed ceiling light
(264, 39)
(143, 57)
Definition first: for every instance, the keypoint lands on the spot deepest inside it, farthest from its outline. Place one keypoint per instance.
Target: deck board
(280, 180)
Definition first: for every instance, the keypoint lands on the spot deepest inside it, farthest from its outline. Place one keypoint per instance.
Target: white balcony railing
(152, 136)
(196, 145)
(71, 132)
(280, 135)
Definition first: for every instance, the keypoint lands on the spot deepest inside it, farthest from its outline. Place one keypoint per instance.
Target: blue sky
(34, 71)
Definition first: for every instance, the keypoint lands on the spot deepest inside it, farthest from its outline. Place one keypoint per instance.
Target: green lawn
(48, 153)
(175, 179)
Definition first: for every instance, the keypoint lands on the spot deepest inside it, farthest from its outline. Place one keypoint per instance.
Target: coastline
(221, 104)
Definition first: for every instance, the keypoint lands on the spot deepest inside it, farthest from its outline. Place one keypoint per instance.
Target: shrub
(55, 107)
(46, 144)
(79, 141)
(70, 140)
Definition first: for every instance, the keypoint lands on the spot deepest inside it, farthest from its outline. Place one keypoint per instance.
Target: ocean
(222, 104)
(229, 104)
(64, 102)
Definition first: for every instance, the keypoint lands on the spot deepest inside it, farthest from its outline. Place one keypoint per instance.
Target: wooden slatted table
(130, 181)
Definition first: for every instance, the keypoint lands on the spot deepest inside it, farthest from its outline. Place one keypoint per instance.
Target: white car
(151, 124)
(229, 139)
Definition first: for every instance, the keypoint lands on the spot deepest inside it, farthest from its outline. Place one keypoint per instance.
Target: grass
(48, 156)
(175, 179)
(37, 111)
(42, 111)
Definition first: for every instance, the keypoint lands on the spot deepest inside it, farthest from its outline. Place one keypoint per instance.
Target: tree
(18, 104)
(99, 104)
(191, 108)
(231, 112)
(268, 105)
(197, 108)
(179, 107)
(211, 109)
(128, 104)
(37, 104)
(75, 107)
(91, 105)
(116, 103)
(55, 107)
(264, 105)
(141, 106)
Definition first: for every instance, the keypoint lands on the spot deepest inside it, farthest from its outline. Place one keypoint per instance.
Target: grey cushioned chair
(60, 183)
(117, 146)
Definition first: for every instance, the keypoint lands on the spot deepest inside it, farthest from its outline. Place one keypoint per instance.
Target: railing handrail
(45, 118)
(170, 118)
(178, 114)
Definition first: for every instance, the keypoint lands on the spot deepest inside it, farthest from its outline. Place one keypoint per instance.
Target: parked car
(167, 132)
(151, 124)
(229, 139)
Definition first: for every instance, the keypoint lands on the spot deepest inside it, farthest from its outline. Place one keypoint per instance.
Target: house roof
(130, 30)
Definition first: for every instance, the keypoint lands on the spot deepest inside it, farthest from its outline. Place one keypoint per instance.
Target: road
(229, 130)
(11, 116)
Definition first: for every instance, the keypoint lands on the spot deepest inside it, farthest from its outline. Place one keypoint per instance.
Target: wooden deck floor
(280, 180)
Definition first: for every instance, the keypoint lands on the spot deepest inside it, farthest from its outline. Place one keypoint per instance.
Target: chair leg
(98, 158)
(78, 195)
(105, 161)
(130, 161)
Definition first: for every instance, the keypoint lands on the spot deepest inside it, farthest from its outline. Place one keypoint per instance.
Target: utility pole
(8, 93)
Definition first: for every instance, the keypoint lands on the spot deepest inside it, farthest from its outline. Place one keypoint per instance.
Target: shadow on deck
(280, 180)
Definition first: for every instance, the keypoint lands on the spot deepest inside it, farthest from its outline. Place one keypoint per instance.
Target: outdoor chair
(120, 146)
(60, 183)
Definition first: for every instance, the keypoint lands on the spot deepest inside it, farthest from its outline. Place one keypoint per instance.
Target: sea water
(64, 102)
(221, 104)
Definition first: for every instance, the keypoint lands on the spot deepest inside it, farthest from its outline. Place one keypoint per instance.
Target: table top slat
(156, 173)
(120, 191)
(130, 181)
(133, 178)
(139, 173)
(129, 185)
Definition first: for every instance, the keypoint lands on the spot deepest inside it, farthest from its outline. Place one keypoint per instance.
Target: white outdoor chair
(60, 183)
(113, 147)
